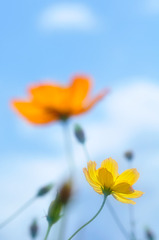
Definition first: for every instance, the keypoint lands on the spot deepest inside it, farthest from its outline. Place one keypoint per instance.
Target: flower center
(106, 191)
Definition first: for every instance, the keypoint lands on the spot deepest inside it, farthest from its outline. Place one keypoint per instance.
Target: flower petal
(33, 113)
(122, 188)
(105, 178)
(130, 176)
(94, 185)
(135, 194)
(111, 165)
(122, 199)
(92, 170)
(51, 96)
(89, 104)
(79, 88)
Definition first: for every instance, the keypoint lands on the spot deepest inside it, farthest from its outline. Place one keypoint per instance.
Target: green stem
(67, 139)
(47, 233)
(132, 222)
(117, 220)
(131, 215)
(105, 197)
(17, 213)
(62, 226)
(86, 152)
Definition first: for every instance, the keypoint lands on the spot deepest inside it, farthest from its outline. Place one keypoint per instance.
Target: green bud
(149, 234)
(79, 133)
(44, 190)
(65, 192)
(54, 212)
(129, 155)
(34, 229)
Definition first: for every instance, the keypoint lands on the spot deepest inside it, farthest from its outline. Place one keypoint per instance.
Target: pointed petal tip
(122, 199)
(102, 94)
(90, 162)
(141, 194)
(14, 103)
(84, 170)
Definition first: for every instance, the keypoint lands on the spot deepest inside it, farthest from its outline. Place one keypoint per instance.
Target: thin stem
(86, 152)
(47, 233)
(17, 213)
(71, 165)
(67, 139)
(62, 226)
(117, 220)
(131, 215)
(132, 222)
(105, 197)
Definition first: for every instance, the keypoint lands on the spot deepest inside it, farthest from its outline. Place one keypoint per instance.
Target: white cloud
(135, 105)
(68, 16)
(130, 112)
(152, 6)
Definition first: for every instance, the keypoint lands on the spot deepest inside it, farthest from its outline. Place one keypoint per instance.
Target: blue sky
(117, 44)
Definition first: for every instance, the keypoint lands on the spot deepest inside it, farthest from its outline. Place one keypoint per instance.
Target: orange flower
(51, 102)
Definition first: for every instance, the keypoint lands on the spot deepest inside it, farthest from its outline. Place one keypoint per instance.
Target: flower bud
(79, 133)
(34, 229)
(129, 155)
(54, 212)
(65, 192)
(44, 190)
(149, 234)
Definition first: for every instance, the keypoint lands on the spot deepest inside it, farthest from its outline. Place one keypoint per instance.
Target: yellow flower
(106, 180)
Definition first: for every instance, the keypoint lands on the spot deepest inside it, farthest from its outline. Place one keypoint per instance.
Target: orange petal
(122, 188)
(79, 88)
(33, 113)
(122, 199)
(89, 104)
(52, 96)
(112, 166)
(130, 176)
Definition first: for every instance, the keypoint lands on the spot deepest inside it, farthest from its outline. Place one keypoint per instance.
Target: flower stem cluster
(56, 206)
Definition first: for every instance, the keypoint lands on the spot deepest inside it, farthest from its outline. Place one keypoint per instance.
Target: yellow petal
(130, 176)
(34, 113)
(122, 199)
(135, 194)
(112, 166)
(92, 170)
(105, 178)
(122, 188)
(94, 185)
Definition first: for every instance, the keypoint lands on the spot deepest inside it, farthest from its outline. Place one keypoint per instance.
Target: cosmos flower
(106, 180)
(49, 102)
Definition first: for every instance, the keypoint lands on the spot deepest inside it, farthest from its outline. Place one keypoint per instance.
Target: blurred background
(114, 42)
